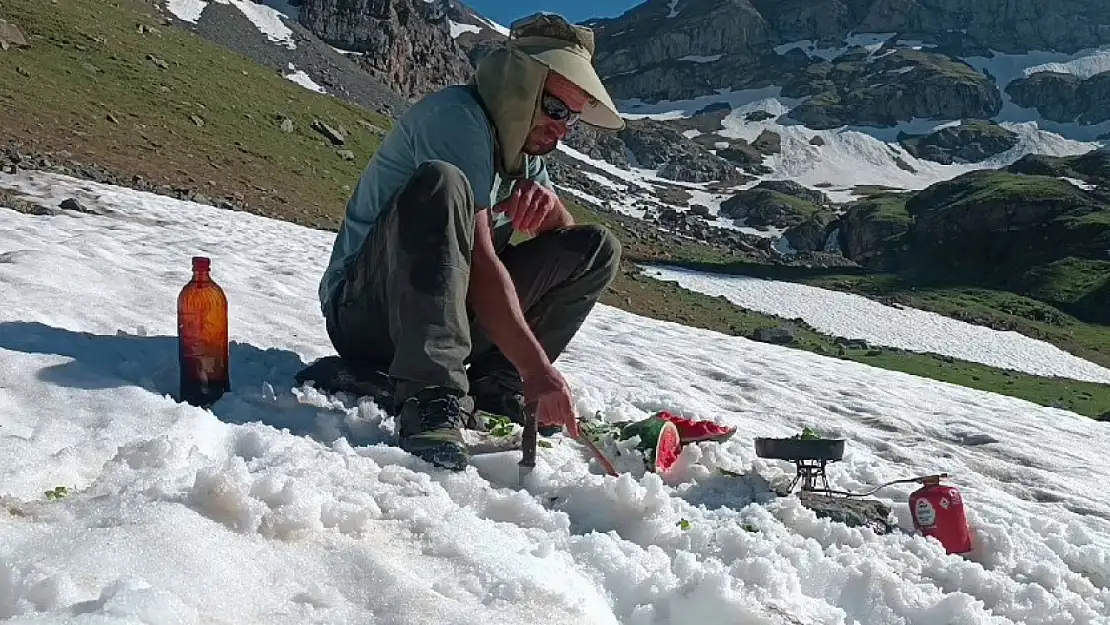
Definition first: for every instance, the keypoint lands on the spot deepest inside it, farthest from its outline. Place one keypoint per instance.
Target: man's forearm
(492, 295)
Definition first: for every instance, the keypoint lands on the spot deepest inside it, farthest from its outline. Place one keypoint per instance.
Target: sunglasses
(557, 110)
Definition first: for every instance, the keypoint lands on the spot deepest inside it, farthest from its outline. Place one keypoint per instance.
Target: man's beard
(540, 145)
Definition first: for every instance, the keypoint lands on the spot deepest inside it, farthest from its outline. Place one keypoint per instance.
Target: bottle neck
(201, 275)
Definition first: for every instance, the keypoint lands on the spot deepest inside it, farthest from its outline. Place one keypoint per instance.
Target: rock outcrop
(998, 222)
(656, 145)
(780, 204)
(1013, 26)
(870, 231)
(677, 50)
(605, 146)
(1092, 167)
(812, 234)
(884, 89)
(1064, 97)
(969, 142)
(407, 44)
(478, 36)
(11, 37)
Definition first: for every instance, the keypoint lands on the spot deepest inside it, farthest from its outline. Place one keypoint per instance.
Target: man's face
(560, 97)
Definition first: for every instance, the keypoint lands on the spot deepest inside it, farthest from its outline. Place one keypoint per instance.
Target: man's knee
(437, 184)
(599, 245)
(434, 172)
(436, 196)
(599, 241)
(609, 250)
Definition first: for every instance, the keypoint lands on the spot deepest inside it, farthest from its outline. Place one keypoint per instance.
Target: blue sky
(505, 11)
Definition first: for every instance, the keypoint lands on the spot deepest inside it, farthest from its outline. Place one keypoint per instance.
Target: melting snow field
(856, 317)
(266, 15)
(284, 506)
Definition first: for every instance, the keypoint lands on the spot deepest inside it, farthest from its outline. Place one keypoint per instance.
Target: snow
(872, 42)
(281, 505)
(458, 29)
(1082, 184)
(1093, 62)
(694, 58)
(302, 78)
(678, 109)
(859, 155)
(1005, 68)
(636, 176)
(267, 17)
(187, 10)
(494, 25)
(856, 317)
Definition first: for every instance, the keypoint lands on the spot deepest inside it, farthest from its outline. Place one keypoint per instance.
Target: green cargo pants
(402, 305)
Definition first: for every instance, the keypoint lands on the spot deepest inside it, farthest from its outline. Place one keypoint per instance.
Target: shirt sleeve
(454, 134)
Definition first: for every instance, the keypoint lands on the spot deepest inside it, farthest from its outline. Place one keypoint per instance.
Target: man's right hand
(547, 393)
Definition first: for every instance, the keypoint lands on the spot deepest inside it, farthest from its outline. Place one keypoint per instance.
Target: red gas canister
(938, 511)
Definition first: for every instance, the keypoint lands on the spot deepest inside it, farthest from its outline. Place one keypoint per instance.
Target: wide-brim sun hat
(567, 49)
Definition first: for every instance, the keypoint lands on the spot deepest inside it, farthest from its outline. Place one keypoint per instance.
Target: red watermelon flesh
(691, 431)
(667, 448)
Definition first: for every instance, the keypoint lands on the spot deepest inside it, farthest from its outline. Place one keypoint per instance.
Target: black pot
(799, 449)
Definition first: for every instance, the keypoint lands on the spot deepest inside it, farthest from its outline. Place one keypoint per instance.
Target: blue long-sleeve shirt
(448, 125)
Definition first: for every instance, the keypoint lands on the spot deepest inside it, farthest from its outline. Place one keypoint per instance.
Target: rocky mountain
(407, 44)
(474, 34)
(796, 131)
(863, 62)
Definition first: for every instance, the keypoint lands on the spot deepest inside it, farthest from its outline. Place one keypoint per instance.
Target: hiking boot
(333, 375)
(429, 426)
(494, 395)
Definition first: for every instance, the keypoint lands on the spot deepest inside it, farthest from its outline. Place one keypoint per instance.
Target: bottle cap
(201, 263)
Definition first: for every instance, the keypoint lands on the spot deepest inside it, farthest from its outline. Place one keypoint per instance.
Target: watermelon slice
(667, 448)
(659, 441)
(691, 431)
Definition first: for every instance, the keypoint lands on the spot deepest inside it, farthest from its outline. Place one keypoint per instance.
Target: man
(422, 282)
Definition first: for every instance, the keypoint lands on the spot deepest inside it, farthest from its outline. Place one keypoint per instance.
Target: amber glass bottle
(202, 345)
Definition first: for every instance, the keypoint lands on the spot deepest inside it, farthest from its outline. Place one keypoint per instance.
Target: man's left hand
(528, 205)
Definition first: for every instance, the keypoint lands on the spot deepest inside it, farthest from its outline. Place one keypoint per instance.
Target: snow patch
(1092, 62)
(693, 58)
(303, 79)
(282, 505)
(186, 10)
(871, 42)
(678, 109)
(458, 29)
(267, 17)
(1005, 68)
(856, 317)
(1082, 184)
(494, 25)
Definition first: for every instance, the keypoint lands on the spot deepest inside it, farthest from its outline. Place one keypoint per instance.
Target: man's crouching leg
(415, 272)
